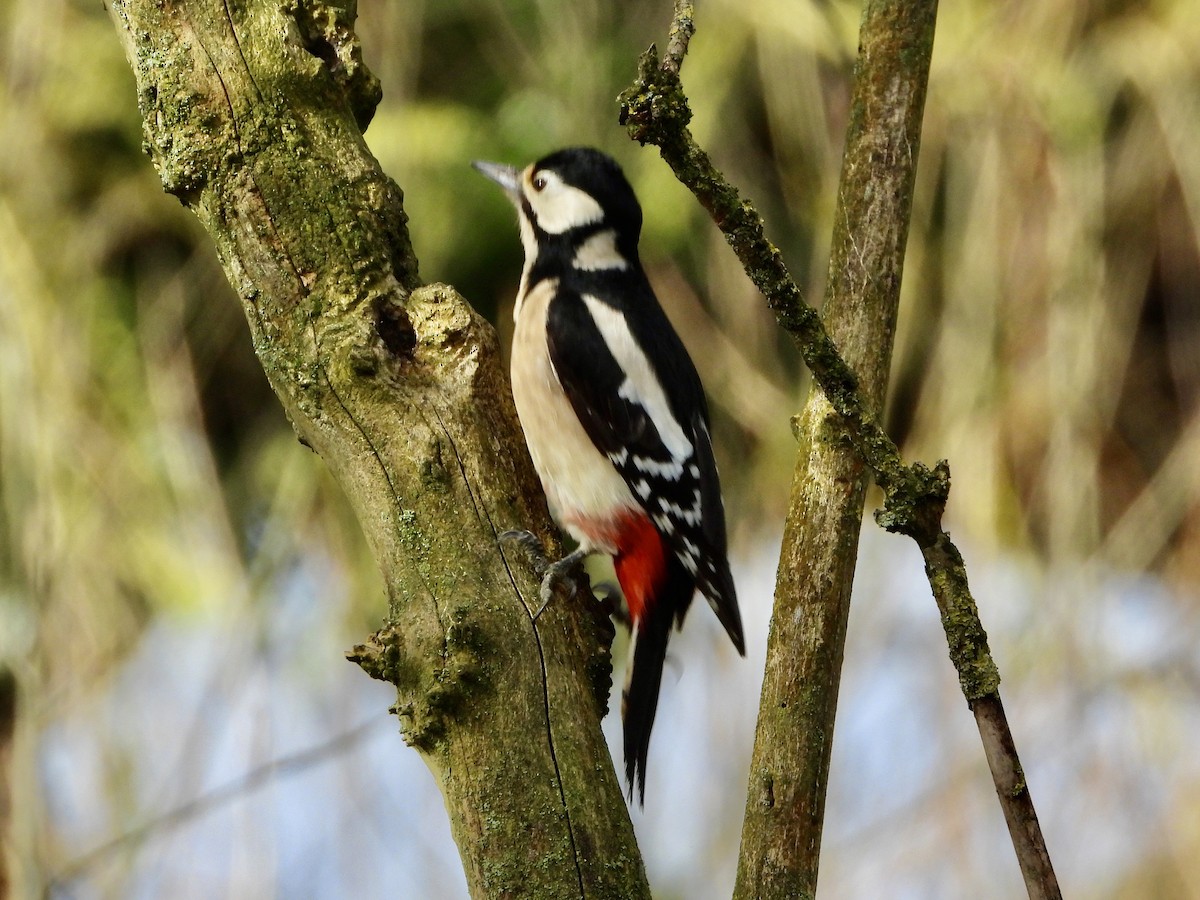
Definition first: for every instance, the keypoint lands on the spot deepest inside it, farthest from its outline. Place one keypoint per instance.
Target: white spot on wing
(690, 516)
(689, 562)
(671, 470)
(689, 555)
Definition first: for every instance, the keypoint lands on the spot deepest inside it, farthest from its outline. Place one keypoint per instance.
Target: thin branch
(682, 29)
(655, 110)
(210, 801)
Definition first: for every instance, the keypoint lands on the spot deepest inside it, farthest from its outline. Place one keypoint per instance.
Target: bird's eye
(539, 183)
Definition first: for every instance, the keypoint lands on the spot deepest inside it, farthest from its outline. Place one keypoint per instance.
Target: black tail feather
(716, 585)
(645, 678)
(713, 578)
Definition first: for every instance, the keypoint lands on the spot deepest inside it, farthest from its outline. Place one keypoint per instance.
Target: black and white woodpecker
(614, 414)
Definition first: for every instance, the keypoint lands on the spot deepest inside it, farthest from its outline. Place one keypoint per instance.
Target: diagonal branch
(269, 773)
(874, 205)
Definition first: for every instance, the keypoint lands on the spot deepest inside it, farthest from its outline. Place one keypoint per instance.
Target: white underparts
(582, 485)
(529, 242)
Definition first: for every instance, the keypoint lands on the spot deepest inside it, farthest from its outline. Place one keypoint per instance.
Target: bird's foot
(533, 547)
(565, 571)
(551, 573)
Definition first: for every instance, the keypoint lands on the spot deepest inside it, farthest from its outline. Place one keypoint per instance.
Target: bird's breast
(585, 492)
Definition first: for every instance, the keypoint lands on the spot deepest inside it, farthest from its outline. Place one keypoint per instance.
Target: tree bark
(253, 113)
(789, 770)
(782, 836)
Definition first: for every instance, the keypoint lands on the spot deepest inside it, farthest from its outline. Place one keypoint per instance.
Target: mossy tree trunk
(252, 114)
(781, 835)
(840, 440)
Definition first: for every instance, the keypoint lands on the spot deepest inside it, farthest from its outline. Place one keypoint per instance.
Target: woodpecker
(614, 415)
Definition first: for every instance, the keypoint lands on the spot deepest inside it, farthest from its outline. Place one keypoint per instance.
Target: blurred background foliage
(161, 528)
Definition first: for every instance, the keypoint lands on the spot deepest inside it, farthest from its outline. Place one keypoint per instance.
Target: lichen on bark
(252, 113)
(839, 437)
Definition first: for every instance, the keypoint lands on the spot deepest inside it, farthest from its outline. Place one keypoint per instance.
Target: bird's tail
(654, 603)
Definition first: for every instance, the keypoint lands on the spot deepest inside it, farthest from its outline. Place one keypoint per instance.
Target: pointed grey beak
(508, 177)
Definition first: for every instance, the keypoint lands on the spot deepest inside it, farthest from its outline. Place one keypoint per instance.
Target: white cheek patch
(599, 252)
(560, 207)
(641, 387)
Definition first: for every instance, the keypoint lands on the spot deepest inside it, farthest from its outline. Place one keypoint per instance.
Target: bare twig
(891, 77)
(682, 29)
(268, 773)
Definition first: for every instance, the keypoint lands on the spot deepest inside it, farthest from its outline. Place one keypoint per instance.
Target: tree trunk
(789, 771)
(781, 837)
(252, 114)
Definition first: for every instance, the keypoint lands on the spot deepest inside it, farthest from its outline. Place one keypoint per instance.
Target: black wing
(592, 379)
(681, 495)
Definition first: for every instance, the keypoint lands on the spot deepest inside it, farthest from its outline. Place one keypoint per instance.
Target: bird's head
(571, 196)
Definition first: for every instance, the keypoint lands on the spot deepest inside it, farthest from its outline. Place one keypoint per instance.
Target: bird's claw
(546, 594)
(549, 572)
(533, 547)
(556, 572)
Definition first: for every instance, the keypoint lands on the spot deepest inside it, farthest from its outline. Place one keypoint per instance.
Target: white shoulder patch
(599, 252)
(640, 385)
